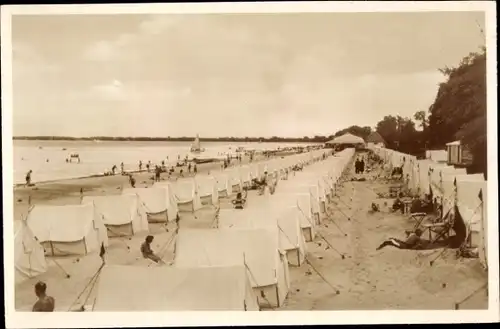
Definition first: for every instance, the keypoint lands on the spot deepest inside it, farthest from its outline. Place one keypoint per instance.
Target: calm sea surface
(47, 159)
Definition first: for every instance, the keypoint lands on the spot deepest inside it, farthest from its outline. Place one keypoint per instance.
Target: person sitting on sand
(44, 303)
(28, 178)
(131, 180)
(398, 205)
(239, 202)
(147, 252)
(113, 169)
(181, 173)
(413, 241)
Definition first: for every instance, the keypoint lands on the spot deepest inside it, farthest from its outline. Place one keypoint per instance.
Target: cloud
(113, 90)
(108, 50)
(101, 51)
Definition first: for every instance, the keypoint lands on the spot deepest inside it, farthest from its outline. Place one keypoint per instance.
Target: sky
(295, 74)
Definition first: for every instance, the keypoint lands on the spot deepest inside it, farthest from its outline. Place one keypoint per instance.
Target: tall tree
(459, 110)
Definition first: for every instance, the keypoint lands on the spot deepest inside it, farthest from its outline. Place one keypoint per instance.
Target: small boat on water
(196, 147)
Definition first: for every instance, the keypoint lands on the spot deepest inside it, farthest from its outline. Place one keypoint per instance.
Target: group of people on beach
(359, 166)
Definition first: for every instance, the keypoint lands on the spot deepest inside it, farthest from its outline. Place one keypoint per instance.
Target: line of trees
(458, 113)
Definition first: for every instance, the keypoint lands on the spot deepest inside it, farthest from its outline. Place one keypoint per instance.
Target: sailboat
(195, 147)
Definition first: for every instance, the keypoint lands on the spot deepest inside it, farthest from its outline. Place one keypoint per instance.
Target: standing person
(362, 166)
(44, 303)
(147, 166)
(122, 166)
(195, 169)
(189, 168)
(140, 165)
(157, 173)
(28, 178)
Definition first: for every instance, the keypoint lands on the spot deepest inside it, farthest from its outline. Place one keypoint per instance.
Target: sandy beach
(366, 279)
(67, 191)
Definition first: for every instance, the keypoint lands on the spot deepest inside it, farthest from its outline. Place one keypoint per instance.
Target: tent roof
(454, 143)
(347, 139)
(171, 288)
(258, 248)
(115, 209)
(66, 223)
(375, 138)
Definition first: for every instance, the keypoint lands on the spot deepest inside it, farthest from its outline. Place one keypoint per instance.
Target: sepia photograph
(249, 157)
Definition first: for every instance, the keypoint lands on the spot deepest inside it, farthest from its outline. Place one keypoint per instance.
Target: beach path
(377, 280)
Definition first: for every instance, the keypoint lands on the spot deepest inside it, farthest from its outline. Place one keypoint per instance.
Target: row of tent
(262, 240)
(460, 194)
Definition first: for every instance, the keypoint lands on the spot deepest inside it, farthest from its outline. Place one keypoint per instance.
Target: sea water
(47, 159)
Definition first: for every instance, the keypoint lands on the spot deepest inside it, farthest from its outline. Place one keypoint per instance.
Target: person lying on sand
(147, 252)
(239, 202)
(413, 241)
(44, 303)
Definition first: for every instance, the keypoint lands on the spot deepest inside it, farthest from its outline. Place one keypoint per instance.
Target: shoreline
(67, 191)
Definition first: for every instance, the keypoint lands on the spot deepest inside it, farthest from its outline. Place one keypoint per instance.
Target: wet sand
(366, 279)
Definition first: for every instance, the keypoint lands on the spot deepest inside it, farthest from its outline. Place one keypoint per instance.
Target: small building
(458, 154)
(375, 140)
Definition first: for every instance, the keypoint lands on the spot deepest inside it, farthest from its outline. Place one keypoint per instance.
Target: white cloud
(113, 90)
(158, 24)
(101, 51)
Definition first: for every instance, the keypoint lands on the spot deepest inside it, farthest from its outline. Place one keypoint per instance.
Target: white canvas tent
(123, 215)
(245, 175)
(158, 202)
(347, 139)
(68, 230)
(282, 221)
(449, 192)
(187, 195)
(174, 289)
(469, 205)
(483, 233)
(224, 189)
(234, 180)
(256, 249)
(208, 190)
(301, 186)
(302, 202)
(424, 179)
(29, 256)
